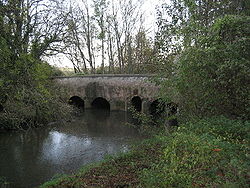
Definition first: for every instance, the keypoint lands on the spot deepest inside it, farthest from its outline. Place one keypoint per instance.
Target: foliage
(32, 99)
(32, 107)
(212, 76)
(3, 182)
(158, 119)
(143, 122)
(182, 22)
(27, 95)
(235, 131)
(202, 153)
(205, 46)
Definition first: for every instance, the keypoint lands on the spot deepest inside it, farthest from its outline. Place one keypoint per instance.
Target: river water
(29, 158)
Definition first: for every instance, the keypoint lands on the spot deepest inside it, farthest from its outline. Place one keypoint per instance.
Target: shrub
(27, 94)
(235, 131)
(201, 158)
(30, 107)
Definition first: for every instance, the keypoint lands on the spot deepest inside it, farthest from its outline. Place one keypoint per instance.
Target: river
(29, 158)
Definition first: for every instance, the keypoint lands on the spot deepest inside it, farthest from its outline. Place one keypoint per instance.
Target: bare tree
(80, 38)
(74, 41)
(104, 30)
(110, 48)
(124, 18)
(100, 8)
(88, 31)
(34, 26)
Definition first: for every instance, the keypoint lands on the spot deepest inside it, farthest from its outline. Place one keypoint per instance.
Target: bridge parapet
(108, 75)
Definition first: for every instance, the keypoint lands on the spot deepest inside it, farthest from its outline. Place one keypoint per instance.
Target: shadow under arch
(77, 101)
(100, 103)
(136, 102)
(157, 107)
(1, 108)
(172, 109)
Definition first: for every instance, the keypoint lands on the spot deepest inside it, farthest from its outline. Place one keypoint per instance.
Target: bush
(31, 107)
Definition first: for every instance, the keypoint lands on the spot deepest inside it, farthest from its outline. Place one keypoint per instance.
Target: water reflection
(32, 157)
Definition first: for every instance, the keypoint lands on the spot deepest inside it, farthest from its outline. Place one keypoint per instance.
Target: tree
(212, 66)
(110, 46)
(106, 29)
(130, 14)
(89, 32)
(182, 22)
(81, 36)
(74, 41)
(100, 9)
(30, 30)
(143, 54)
(122, 21)
(33, 26)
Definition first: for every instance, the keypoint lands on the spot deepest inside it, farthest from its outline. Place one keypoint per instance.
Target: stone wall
(118, 90)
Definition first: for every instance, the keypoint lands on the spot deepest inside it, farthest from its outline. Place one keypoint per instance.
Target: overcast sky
(149, 9)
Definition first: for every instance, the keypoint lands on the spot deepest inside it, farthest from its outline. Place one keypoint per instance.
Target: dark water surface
(30, 158)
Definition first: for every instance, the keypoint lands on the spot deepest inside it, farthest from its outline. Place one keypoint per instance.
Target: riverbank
(211, 152)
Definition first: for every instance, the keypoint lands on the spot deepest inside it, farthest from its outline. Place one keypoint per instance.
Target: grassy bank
(210, 152)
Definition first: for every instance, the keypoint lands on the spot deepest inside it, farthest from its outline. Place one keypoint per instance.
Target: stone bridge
(115, 92)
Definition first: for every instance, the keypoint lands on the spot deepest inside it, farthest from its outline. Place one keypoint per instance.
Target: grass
(212, 152)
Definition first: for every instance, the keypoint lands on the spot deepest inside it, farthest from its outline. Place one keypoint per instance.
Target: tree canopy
(210, 44)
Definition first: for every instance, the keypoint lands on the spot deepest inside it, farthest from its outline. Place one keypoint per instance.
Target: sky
(149, 9)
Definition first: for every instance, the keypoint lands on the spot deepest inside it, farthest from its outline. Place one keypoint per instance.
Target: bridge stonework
(118, 90)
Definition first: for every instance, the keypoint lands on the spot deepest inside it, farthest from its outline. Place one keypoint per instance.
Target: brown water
(30, 158)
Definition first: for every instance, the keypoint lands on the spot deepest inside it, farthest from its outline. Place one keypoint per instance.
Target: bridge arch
(136, 102)
(100, 103)
(172, 108)
(156, 107)
(76, 101)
